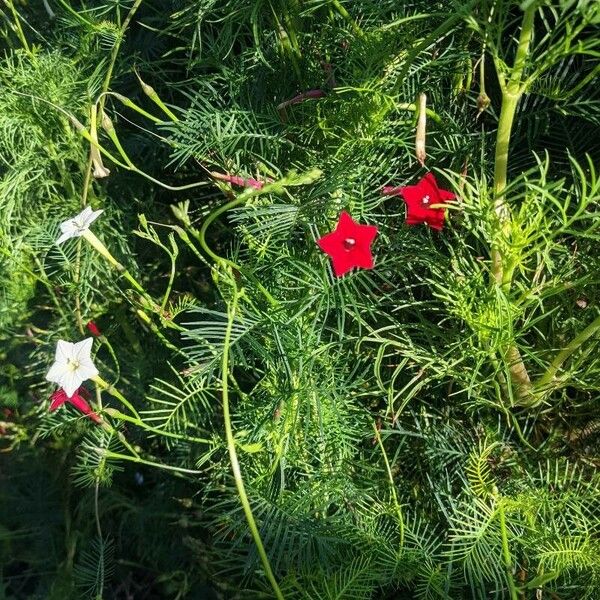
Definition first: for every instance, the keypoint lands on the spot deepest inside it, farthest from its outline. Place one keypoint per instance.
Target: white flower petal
(64, 237)
(71, 382)
(64, 351)
(78, 225)
(57, 372)
(69, 230)
(86, 370)
(92, 217)
(82, 350)
(69, 226)
(84, 215)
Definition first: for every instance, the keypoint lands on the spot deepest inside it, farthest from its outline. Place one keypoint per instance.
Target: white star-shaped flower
(72, 365)
(78, 225)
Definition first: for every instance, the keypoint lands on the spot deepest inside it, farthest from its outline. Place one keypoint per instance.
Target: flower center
(426, 199)
(72, 364)
(80, 225)
(349, 243)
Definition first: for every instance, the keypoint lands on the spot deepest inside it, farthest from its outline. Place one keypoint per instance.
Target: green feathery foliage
(426, 429)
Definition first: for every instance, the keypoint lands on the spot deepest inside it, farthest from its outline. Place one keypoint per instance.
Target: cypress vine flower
(424, 201)
(349, 245)
(93, 329)
(59, 397)
(77, 226)
(72, 365)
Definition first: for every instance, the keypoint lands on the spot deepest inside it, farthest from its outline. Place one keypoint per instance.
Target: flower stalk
(104, 252)
(116, 394)
(151, 93)
(100, 170)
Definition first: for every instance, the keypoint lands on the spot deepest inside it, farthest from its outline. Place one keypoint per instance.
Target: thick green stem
(501, 271)
(235, 465)
(511, 94)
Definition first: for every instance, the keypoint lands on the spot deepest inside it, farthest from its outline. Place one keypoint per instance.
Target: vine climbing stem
(115, 51)
(201, 237)
(235, 465)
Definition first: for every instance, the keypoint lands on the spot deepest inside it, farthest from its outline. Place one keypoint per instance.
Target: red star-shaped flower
(349, 245)
(77, 400)
(419, 199)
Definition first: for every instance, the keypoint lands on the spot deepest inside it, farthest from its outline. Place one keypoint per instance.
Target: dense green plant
(426, 429)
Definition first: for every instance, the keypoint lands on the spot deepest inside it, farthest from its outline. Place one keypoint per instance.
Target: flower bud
(93, 329)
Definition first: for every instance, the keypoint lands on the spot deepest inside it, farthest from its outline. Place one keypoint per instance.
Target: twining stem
(103, 250)
(110, 429)
(501, 272)
(235, 465)
(392, 486)
(79, 127)
(545, 380)
(201, 237)
(506, 552)
(87, 136)
(116, 48)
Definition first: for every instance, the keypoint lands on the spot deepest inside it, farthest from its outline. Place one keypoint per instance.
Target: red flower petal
(58, 398)
(81, 405)
(349, 245)
(419, 199)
